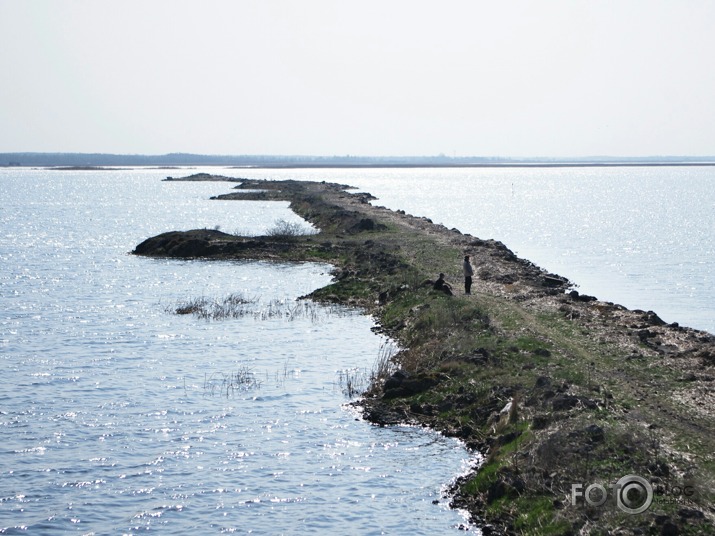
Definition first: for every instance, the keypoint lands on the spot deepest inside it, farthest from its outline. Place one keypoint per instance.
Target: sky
(552, 78)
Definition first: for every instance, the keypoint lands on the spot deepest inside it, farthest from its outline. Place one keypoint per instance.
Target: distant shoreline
(525, 165)
(506, 166)
(84, 161)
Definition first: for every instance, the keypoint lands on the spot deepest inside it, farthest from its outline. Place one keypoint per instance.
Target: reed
(283, 374)
(353, 382)
(384, 365)
(221, 383)
(232, 306)
(238, 306)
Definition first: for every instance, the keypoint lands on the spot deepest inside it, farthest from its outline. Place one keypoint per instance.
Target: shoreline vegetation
(562, 393)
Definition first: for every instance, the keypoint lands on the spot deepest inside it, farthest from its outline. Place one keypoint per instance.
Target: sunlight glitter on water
(638, 236)
(107, 406)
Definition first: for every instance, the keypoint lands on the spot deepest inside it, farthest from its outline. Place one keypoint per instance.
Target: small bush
(283, 228)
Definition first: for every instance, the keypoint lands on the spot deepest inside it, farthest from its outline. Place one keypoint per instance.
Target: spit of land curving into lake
(593, 418)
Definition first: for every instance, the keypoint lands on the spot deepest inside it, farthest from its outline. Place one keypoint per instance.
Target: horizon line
(440, 156)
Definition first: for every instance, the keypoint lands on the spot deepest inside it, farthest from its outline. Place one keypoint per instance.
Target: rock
(414, 386)
(588, 402)
(179, 244)
(506, 279)
(659, 468)
(401, 384)
(574, 294)
(669, 529)
(542, 381)
(367, 224)
(445, 405)
(551, 280)
(595, 433)
(548, 393)
(383, 297)
(479, 357)
(706, 356)
(569, 312)
(395, 380)
(465, 432)
(416, 408)
(466, 399)
(645, 334)
(539, 422)
(384, 415)
(564, 402)
(364, 197)
(507, 438)
(653, 319)
(691, 513)
(496, 491)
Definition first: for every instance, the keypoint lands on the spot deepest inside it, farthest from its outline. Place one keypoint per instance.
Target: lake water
(119, 416)
(643, 237)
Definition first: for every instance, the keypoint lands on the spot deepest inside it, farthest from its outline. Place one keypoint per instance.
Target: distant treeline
(80, 160)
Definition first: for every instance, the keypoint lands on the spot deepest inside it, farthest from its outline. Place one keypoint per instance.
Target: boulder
(401, 384)
(564, 402)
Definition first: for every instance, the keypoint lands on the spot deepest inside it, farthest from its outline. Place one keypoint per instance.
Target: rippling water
(643, 237)
(119, 416)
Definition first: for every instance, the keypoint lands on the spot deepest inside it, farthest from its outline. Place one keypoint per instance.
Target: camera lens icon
(634, 494)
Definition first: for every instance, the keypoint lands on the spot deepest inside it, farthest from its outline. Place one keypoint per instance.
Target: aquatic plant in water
(237, 306)
(220, 383)
(232, 306)
(354, 382)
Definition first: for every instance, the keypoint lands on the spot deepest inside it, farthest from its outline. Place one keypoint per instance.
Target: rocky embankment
(563, 393)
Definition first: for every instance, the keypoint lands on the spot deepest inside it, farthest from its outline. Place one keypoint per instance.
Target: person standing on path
(468, 273)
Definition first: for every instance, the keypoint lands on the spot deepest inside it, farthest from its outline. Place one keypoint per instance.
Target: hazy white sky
(367, 77)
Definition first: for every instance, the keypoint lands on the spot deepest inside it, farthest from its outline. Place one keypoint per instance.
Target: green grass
(483, 478)
(537, 517)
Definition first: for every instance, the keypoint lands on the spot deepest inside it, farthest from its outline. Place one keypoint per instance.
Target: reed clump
(238, 306)
(232, 306)
(353, 382)
(228, 384)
